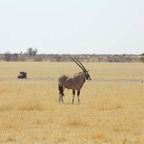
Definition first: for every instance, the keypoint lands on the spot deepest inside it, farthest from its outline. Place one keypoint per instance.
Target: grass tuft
(31, 107)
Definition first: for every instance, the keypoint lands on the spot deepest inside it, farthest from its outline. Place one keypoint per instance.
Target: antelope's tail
(61, 89)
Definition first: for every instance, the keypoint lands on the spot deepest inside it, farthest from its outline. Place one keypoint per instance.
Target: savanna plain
(111, 109)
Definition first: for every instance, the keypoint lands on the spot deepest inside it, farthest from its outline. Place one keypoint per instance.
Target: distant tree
(34, 52)
(31, 51)
(58, 58)
(15, 57)
(8, 56)
(142, 59)
(142, 54)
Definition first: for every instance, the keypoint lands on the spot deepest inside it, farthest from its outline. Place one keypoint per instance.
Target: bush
(38, 59)
(142, 59)
(8, 56)
(142, 54)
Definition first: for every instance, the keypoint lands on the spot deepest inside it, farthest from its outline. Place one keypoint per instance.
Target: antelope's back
(62, 79)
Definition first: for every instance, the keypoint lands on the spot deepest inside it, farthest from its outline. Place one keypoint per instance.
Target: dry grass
(111, 112)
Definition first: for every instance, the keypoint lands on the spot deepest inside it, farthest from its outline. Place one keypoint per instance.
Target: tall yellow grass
(111, 109)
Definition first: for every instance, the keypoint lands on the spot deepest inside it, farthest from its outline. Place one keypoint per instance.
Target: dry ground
(111, 109)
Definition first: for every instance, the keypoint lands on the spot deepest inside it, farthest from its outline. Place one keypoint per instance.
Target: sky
(72, 26)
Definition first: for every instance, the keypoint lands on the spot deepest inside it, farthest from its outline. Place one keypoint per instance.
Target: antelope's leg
(73, 96)
(59, 88)
(78, 95)
(61, 94)
(60, 98)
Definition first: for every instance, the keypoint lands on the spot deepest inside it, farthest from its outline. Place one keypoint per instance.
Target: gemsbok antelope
(74, 82)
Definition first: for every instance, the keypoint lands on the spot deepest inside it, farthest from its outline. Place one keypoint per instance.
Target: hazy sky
(72, 26)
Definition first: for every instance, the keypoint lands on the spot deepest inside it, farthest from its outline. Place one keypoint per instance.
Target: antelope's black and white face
(87, 75)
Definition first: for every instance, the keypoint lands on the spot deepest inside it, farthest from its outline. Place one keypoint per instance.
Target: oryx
(74, 82)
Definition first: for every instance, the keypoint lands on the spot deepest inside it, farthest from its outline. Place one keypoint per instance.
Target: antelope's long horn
(81, 64)
(78, 63)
